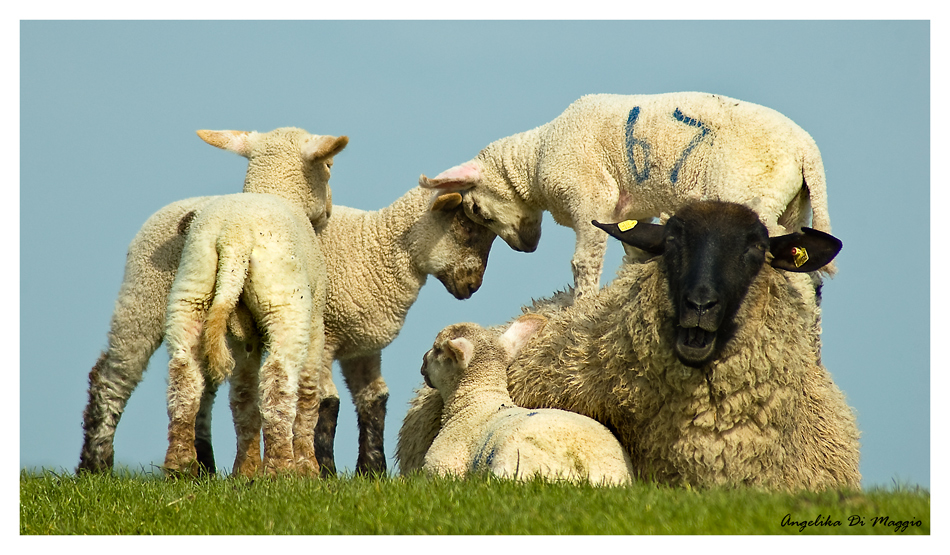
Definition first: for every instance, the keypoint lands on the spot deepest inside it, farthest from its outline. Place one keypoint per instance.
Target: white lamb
(302, 163)
(615, 157)
(483, 430)
(261, 250)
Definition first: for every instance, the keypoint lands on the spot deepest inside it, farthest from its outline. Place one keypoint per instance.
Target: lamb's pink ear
(322, 147)
(445, 202)
(458, 178)
(520, 331)
(234, 141)
(463, 350)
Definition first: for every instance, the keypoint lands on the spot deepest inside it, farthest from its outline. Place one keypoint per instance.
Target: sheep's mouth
(462, 284)
(425, 372)
(695, 346)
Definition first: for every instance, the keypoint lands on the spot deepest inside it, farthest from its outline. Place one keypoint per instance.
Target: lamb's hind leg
(365, 382)
(245, 405)
(185, 386)
(288, 342)
(136, 332)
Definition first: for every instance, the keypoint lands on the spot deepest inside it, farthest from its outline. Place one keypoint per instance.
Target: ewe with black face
(704, 361)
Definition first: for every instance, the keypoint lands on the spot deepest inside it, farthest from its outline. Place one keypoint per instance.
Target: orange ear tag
(800, 256)
(626, 225)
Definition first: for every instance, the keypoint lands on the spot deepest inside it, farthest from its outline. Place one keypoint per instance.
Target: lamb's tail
(229, 284)
(813, 174)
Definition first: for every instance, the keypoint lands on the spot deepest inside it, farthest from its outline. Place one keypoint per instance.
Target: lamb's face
(444, 364)
(456, 252)
(506, 214)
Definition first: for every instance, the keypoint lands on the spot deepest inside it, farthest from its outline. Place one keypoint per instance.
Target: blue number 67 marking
(693, 122)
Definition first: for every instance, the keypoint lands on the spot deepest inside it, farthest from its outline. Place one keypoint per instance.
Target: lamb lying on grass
(261, 250)
(287, 162)
(615, 157)
(483, 430)
(705, 361)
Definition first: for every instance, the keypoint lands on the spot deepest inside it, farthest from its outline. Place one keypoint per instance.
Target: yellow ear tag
(625, 225)
(800, 256)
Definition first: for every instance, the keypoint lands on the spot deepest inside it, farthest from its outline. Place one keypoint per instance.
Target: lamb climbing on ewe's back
(704, 361)
(261, 250)
(483, 430)
(614, 157)
(287, 162)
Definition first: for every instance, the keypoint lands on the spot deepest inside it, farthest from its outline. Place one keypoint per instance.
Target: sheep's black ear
(805, 251)
(645, 236)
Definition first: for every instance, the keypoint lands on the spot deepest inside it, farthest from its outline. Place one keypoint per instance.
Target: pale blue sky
(108, 113)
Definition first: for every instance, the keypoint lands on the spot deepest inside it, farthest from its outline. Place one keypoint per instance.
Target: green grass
(143, 503)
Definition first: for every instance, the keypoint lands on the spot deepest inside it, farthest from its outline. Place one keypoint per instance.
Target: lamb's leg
(245, 406)
(308, 400)
(288, 340)
(185, 386)
(136, 332)
(203, 430)
(278, 390)
(327, 413)
(365, 382)
(588, 261)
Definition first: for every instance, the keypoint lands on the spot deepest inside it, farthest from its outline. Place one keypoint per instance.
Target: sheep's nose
(701, 303)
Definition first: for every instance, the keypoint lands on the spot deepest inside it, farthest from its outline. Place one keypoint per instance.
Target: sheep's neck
(387, 254)
(476, 398)
(516, 159)
(292, 185)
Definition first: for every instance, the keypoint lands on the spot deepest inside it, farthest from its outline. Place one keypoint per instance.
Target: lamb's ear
(462, 350)
(805, 251)
(519, 332)
(458, 178)
(321, 147)
(233, 141)
(446, 202)
(645, 236)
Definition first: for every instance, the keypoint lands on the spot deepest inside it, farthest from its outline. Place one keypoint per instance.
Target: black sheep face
(712, 251)
(711, 255)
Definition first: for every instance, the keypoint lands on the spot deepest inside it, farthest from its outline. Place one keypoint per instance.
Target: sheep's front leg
(328, 411)
(589, 250)
(365, 382)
